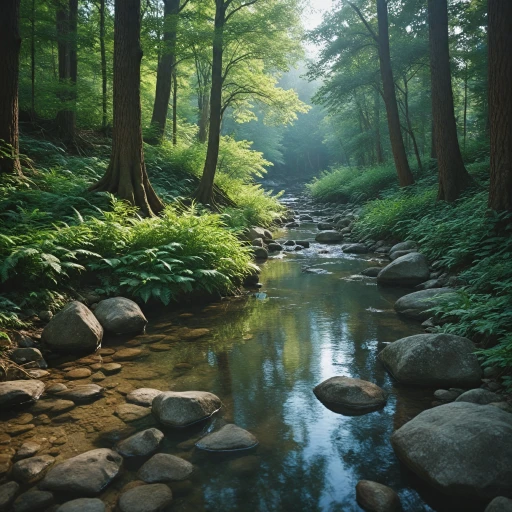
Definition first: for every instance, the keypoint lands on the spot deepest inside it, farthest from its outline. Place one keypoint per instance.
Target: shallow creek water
(262, 356)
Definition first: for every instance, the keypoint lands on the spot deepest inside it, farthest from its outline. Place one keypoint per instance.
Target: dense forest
(150, 150)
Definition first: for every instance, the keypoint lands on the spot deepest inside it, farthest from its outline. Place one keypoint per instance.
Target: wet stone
(79, 373)
(127, 354)
(7, 494)
(163, 467)
(132, 412)
(31, 469)
(143, 396)
(111, 368)
(26, 450)
(375, 497)
(228, 438)
(146, 498)
(54, 406)
(106, 351)
(16, 430)
(33, 501)
(56, 388)
(82, 393)
(83, 505)
(141, 444)
(19, 391)
(245, 465)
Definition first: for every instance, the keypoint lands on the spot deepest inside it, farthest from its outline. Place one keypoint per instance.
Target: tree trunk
(104, 118)
(33, 60)
(409, 125)
(204, 193)
(378, 142)
(174, 107)
(453, 177)
(66, 40)
(433, 152)
(164, 76)
(10, 44)
(126, 174)
(500, 103)
(405, 176)
(465, 105)
(203, 119)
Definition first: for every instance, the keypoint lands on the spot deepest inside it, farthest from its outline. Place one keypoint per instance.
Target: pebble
(127, 354)
(26, 450)
(132, 412)
(110, 368)
(79, 373)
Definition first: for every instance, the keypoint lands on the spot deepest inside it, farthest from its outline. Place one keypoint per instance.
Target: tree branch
(366, 24)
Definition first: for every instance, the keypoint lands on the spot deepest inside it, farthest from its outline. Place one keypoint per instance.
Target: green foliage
(9, 314)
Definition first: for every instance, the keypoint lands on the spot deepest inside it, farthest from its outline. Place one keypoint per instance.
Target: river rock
(180, 409)
(355, 249)
(329, 237)
(28, 449)
(15, 392)
(274, 247)
(33, 501)
(303, 243)
(459, 448)
(499, 504)
(408, 270)
(120, 316)
(256, 232)
(434, 360)
(375, 497)
(7, 494)
(141, 444)
(447, 395)
(132, 412)
(371, 271)
(403, 246)
(163, 467)
(357, 396)
(31, 469)
(479, 396)
(78, 373)
(86, 474)
(74, 329)
(398, 254)
(324, 226)
(146, 498)
(83, 505)
(52, 406)
(82, 394)
(143, 396)
(260, 253)
(416, 305)
(228, 438)
(23, 356)
(127, 354)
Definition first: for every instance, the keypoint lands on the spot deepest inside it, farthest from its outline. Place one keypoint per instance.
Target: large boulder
(15, 392)
(74, 329)
(353, 396)
(459, 448)
(329, 237)
(256, 232)
(499, 504)
(228, 438)
(434, 360)
(86, 474)
(120, 315)
(181, 409)
(408, 270)
(375, 497)
(416, 305)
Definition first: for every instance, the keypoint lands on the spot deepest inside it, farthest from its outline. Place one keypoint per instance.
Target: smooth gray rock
(355, 249)
(120, 315)
(23, 356)
(398, 254)
(28, 449)
(15, 392)
(132, 412)
(459, 448)
(500, 504)
(436, 360)
(479, 396)
(86, 474)
(143, 396)
(163, 467)
(83, 505)
(408, 270)
(416, 305)
(403, 246)
(274, 247)
(74, 329)
(228, 438)
(141, 444)
(31, 469)
(375, 497)
(146, 498)
(81, 394)
(371, 271)
(260, 253)
(8, 492)
(257, 242)
(33, 501)
(445, 395)
(356, 395)
(329, 237)
(176, 409)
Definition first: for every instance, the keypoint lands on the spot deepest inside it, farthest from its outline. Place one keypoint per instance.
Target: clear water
(263, 356)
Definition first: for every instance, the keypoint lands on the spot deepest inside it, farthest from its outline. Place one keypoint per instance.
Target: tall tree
(453, 176)
(166, 68)
(500, 103)
(10, 44)
(67, 20)
(103, 53)
(403, 170)
(126, 175)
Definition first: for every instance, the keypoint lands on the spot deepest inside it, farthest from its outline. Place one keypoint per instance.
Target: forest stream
(314, 317)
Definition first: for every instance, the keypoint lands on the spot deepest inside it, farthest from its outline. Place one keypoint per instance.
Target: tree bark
(10, 44)
(67, 12)
(453, 177)
(403, 170)
(33, 60)
(378, 142)
(204, 193)
(174, 107)
(126, 174)
(500, 103)
(104, 118)
(165, 70)
(409, 125)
